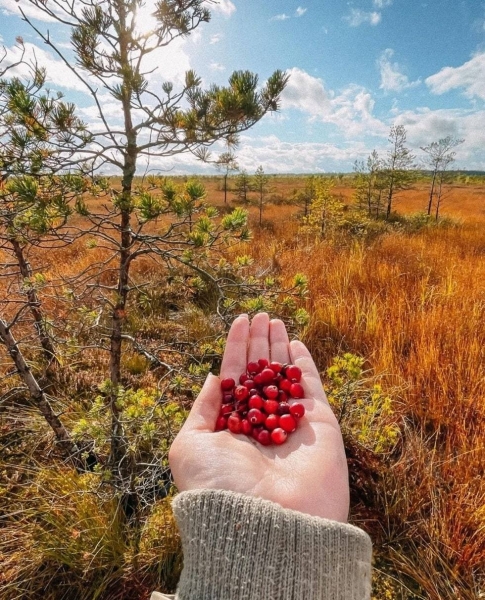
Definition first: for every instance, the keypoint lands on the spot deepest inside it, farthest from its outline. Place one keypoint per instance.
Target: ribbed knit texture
(241, 548)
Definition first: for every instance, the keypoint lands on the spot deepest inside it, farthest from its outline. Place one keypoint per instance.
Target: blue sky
(356, 68)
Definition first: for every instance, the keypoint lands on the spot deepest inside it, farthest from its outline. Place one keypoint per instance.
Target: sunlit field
(409, 303)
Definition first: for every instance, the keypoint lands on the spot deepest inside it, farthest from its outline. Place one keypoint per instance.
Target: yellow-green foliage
(362, 407)
(326, 211)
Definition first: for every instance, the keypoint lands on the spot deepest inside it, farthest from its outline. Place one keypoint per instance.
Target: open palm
(307, 473)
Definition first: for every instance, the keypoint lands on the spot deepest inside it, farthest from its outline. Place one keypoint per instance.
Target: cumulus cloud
(350, 110)
(358, 17)
(215, 66)
(300, 11)
(226, 7)
(216, 38)
(11, 7)
(469, 77)
(392, 80)
(281, 17)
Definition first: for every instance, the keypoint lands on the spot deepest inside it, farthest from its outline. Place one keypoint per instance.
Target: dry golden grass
(413, 305)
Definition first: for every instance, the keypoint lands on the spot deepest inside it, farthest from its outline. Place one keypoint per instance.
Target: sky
(356, 69)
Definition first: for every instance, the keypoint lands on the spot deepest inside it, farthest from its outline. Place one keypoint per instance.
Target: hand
(308, 473)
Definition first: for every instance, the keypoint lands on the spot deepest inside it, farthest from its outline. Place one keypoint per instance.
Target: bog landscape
(118, 284)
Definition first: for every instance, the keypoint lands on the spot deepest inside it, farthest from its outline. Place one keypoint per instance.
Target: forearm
(237, 547)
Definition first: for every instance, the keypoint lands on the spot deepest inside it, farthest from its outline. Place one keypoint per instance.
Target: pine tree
(260, 185)
(397, 167)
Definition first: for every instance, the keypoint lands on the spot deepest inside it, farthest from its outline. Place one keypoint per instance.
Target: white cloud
(226, 7)
(350, 110)
(392, 80)
(58, 73)
(382, 3)
(469, 76)
(300, 11)
(425, 125)
(278, 156)
(359, 17)
(281, 17)
(216, 38)
(215, 66)
(11, 7)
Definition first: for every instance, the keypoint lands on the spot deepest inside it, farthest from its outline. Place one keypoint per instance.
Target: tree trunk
(34, 304)
(225, 188)
(39, 398)
(431, 193)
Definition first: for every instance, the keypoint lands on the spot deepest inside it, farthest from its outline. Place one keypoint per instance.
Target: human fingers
(259, 337)
(204, 411)
(235, 355)
(279, 342)
(312, 383)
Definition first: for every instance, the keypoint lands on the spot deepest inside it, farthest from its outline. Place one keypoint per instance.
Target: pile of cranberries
(263, 404)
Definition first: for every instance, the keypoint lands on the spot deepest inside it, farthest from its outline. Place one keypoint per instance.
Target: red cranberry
(297, 390)
(279, 435)
(276, 367)
(226, 409)
(221, 423)
(293, 372)
(253, 367)
(264, 438)
(271, 407)
(227, 398)
(249, 383)
(256, 402)
(283, 408)
(263, 363)
(227, 384)
(256, 431)
(272, 422)
(255, 416)
(246, 427)
(242, 378)
(258, 380)
(282, 396)
(267, 375)
(297, 410)
(234, 423)
(241, 392)
(272, 392)
(285, 385)
(288, 423)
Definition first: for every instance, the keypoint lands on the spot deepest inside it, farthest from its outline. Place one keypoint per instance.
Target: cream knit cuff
(237, 547)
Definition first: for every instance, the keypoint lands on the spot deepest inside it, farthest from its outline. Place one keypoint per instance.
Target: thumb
(205, 409)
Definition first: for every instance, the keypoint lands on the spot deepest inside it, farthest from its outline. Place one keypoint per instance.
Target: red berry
(242, 378)
(256, 402)
(283, 408)
(258, 380)
(227, 398)
(227, 384)
(226, 409)
(255, 416)
(272, 422)
(263, 362)
(249, 383)
(253, 367)
(296, 390)
(288, 423)
(297, 410)
(264, 437)
(256, 431)
(293, 372)
(276, 367)
(271, 392)
(234, 423)
(242, 407)
(221, 423)
(285, 385)
(246, 427)
(279, 435)
(267, 375)
(270, 407)
(282, 396)
(241, 392)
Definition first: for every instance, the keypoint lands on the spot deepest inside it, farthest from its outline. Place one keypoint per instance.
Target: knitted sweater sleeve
(237, 547)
